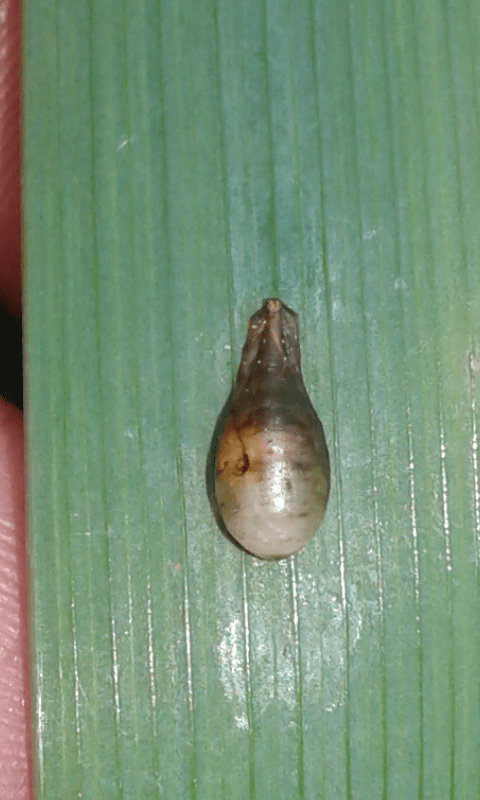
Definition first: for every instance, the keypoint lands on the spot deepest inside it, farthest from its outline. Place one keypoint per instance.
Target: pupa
(272, 468)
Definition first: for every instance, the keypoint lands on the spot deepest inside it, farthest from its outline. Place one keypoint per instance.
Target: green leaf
(183, 161)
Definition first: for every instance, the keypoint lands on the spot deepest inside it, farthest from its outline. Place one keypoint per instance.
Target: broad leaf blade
(184, 161)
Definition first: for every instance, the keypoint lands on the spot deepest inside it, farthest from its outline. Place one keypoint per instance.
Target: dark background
(11, 384)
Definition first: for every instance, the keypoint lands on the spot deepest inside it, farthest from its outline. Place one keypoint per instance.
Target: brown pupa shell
(272, 469)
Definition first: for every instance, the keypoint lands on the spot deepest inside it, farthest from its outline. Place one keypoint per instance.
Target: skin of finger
(15, 760)
(15, 739)
(10, 205)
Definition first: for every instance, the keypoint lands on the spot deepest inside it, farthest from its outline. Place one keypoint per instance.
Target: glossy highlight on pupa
(269, 456)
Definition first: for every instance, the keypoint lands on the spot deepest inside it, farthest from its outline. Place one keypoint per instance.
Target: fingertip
(15, 740)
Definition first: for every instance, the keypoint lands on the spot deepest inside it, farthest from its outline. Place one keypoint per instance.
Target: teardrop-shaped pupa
(272, 469)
